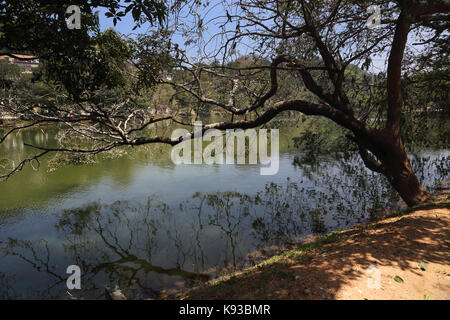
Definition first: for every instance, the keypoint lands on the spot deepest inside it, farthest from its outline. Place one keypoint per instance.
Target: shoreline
(319, 268)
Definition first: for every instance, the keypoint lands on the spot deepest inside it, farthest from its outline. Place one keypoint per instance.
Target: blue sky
(126, 25)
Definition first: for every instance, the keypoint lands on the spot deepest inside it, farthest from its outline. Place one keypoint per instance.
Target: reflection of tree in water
(431, 169)
(147, 247)
(120, 241)
(7, 290)
(346, 184)
(112, 244)
(37, 255)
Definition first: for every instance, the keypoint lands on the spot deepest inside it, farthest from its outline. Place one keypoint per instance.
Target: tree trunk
(395, 163)
(400, 174)
(407, 185)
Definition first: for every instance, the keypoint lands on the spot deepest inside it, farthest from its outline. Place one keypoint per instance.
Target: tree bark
(392, 154)
(401, 176)
(388, 157)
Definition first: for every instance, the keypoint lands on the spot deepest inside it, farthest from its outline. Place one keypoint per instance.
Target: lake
(139, 222)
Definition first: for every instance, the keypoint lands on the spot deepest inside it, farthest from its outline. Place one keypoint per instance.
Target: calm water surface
(146, 225)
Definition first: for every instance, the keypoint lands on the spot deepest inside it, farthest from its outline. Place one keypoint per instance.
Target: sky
(126, 25)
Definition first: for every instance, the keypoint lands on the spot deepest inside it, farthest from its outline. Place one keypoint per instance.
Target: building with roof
(27, 62)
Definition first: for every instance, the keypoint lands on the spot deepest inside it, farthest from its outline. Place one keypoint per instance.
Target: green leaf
(398, 279)
(426, 297)
(423, 265)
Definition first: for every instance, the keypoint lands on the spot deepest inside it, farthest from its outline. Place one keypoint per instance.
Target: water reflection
(151, 247)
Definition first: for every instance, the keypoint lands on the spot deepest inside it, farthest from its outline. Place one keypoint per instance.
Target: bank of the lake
(403, 256)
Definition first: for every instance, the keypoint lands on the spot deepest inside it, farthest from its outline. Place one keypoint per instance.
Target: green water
(140, 222)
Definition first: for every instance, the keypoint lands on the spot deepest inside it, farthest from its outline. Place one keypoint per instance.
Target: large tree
(316, 42)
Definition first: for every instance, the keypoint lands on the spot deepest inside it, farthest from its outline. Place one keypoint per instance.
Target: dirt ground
(403, 257)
